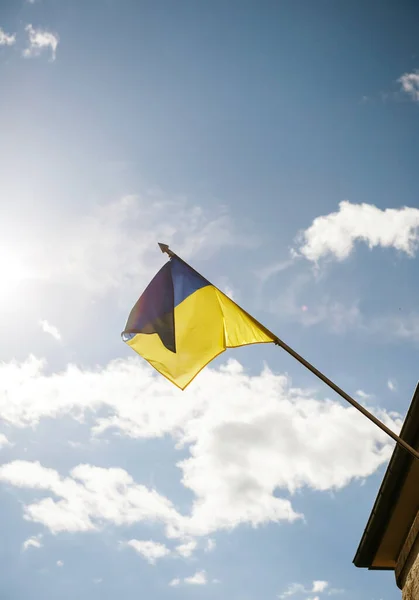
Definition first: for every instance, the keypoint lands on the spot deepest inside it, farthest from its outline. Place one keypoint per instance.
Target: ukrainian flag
(182, 322)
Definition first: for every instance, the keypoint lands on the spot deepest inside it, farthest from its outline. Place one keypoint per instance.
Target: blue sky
(274, 146)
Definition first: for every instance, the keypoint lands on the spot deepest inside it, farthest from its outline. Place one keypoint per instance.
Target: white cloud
(89, 498)
(150, 550)
(50, 329)
(7, 39)
(211, 544)
(186, 549)
(200, 578)
(60, 563)
(32, 542)
(392, 385)
(4, 441)
(234, 425)
(410, 84)
(40, 40)
(319, 586)
(335, 234)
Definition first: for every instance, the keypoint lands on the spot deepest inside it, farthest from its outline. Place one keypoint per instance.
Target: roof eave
(394, 477)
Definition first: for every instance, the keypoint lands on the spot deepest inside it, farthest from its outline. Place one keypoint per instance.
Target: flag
(182, 322)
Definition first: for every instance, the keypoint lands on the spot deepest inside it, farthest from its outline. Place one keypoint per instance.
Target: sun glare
(12, 272)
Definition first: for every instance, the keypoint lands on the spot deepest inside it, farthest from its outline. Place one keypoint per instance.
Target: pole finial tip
(165, 249)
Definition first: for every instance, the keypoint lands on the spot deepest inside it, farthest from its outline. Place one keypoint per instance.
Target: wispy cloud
(199, 578)
(224, 285)
(7, 39)
(265, 273)
(363, 395)
(392, 385)
(318, 586)
(306, 303)
(292, 589)
(334, 235)
(211, 544)
(186, 549)
(150, 550)
(32, 542)
(114, 246)
(410, 84)
(395, 327)
(50, 329)
(4, 441)
(40, 40)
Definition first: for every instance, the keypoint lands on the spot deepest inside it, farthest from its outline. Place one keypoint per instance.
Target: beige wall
(407, 569)
(410, 589)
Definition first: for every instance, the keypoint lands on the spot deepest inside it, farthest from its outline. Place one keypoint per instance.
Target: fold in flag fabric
(182, 322)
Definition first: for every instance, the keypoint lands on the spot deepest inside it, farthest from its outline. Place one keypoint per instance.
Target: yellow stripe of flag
(205, 323)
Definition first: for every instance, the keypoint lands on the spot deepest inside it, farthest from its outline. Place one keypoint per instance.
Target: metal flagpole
(278, 342)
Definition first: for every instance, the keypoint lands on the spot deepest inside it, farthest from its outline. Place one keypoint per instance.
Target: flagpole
(278, 342)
